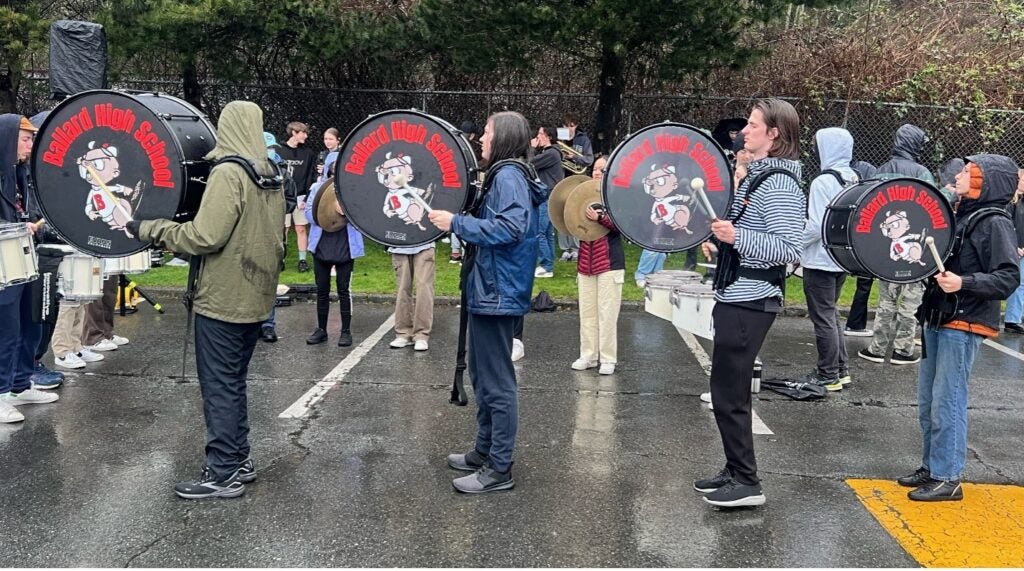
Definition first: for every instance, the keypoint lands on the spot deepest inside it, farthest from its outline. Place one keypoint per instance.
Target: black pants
(494, 386)
(822, 290)
(858, 317)
(736, 347)
(517, 329)
(223, 351)
(322, 274)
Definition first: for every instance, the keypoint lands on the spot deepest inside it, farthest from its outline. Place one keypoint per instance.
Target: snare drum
(81, 276)
(658, 290)
(135, 264)
(18, 262)
(692, 306)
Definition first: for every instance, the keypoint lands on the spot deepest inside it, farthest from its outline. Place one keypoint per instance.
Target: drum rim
(462, 143)
(37, 156)
(13, 229)
(618, 148)
(857, 257)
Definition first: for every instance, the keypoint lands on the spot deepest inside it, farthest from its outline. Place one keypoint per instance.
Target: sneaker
(830, 383)
(89, 357)
(901, 359)
(920, 477)
(1013, 328)
(566, 256)
(303, 266)
(733, 494)
(873, 357)
(247, 472)
(446, 240)
(844, 377)
(938, 491)
(540, 272)
(641, 283)
(102, 345)
(421, 345)
(455, 259)
(9, 414)
(518, 350)
(583, 365)
(118, 340)
(207, 487)
(268, 334)
(468, 462)
(318, 336)
(46, 381)
(705, 397)
(70, 361)
(176, 263)
(400, 343)
(606, 369)
(918, 342)
(711, 484)
(29, 396)
(575, 256)
(345, 339)
(858, 332)
(484, 480)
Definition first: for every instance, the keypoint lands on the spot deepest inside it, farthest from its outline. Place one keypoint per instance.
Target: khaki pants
(67, 332)
(600, 299)
(414, 319)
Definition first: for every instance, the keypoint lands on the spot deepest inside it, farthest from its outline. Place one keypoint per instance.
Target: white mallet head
(401, 180)
(697, 183)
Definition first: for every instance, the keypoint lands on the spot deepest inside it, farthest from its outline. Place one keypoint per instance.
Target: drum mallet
(935, 254)
(403, 182)
(697, 185)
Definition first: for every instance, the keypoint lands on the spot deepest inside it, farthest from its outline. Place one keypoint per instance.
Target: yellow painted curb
(985, 529)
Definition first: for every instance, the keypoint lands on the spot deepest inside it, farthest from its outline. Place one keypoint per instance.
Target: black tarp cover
(78, 57)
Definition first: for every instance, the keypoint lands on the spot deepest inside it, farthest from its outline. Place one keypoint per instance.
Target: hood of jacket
(756, 167)
(11, 173)
(999, 181)
(908, 143)
(240, 133)
(539, 191)
(835, 148)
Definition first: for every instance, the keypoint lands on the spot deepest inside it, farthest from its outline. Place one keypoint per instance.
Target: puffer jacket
(237, 228)
(835, 148)
(604, 254)
(907, 148)
(500, 280)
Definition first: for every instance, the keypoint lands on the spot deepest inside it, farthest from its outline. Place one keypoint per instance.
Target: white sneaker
(90, 357)
(30, 396)
(118, 340)
(607, 369)
(641, 283)
(8, 413)
(705, 397)
(540, 272)
(400, 342)
(103, 345)
(70, 361)
(583, 364)
(518, 350)
(421, 345)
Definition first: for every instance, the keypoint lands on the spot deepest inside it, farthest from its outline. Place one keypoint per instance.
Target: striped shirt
(771, 230)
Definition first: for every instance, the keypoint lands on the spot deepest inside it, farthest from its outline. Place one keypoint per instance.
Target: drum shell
(18, 261)
(658, 290)
(135, 264)
(81, 276)
(692, 308)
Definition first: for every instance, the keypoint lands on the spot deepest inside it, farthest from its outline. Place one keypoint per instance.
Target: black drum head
(647, 186)
(102, 158)
(394, 167)
(888, 227)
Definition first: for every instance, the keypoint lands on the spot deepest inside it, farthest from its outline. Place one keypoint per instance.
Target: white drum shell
(81, 276)
(137, 263)
(18, 261)
(692, 307)
(658, 290)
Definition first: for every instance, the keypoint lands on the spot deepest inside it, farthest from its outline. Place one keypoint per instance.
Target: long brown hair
(510, 137)
(779, 114)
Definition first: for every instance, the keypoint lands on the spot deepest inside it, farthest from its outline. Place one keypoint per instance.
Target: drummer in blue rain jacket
(498, 284)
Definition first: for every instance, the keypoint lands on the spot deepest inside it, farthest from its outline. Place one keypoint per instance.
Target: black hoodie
(13, 176)
(907, 147)
(987, 262)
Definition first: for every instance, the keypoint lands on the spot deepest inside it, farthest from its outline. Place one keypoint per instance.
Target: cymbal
(556, 202)
(325, 215)
(585, 194)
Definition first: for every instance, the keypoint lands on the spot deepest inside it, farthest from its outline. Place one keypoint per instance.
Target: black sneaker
(938, 491)
(484, 480)
(873, 357)
(901, 359)
(345, 339)
(920, 477)
(207, 487)
(247, 472)
(303, 266)
(318, 336)
(830, 383)
(469, 462)
(1014, 328)
(844, 377)
(268, 334)
(734, 494)
(709, 485)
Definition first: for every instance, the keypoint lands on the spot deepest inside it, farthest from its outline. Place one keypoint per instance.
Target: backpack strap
(274, 182)
(756, 183)
(838, 176)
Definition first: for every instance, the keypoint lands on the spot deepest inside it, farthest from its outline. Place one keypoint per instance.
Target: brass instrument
(568, 164)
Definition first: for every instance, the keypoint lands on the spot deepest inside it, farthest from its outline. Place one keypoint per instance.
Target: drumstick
(403, 182)
(110, 195)
(935, 254)
(697, 185)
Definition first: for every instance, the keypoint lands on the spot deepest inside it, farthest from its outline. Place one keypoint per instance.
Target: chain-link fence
(952, 132)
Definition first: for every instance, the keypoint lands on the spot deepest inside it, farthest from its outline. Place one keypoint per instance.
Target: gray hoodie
(835, 148)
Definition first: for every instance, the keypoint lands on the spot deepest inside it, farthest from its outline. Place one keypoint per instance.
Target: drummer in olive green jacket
(238, 232)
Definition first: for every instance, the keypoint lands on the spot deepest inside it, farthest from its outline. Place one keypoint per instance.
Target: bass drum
(397, 166)
(103, 158)
(877, 229)
(648, 188)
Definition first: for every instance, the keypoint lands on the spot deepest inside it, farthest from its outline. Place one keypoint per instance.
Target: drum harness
(729, 268)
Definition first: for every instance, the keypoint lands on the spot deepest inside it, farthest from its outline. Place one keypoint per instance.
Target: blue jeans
(545, 239)
(650, 262)
(942, 400)
(19, 339)
(1015, 303)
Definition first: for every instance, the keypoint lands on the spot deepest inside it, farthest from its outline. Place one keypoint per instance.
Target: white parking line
(705, 362)
(301, 407)
(1006, 350)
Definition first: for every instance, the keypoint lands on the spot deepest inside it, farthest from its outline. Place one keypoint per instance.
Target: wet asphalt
(603, 466)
